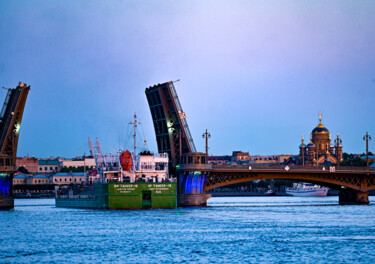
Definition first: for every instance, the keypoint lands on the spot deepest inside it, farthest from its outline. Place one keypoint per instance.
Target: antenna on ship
(145, 141)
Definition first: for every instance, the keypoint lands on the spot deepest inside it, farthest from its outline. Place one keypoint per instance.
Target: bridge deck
(292, 169)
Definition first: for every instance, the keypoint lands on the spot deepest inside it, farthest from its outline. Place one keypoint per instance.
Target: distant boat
(307, 189)
(269, 193)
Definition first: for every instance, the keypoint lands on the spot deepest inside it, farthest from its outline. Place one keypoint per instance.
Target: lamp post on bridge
(303, 150)
(206, 135)
(366, 138)
(338, 141)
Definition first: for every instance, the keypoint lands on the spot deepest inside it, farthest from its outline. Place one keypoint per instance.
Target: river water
(229, 230)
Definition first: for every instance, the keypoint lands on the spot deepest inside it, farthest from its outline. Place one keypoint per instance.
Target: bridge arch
(356, 182)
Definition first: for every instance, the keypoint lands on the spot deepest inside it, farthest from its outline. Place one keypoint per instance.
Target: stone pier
(6, 203)
(192, 176)
(193, 199)
(353, 197)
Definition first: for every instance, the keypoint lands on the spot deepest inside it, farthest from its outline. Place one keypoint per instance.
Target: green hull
(124, 196)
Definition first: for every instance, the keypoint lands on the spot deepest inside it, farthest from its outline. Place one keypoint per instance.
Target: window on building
(55, 168)
(40, 169)
(45, 168)
(65, 179)
(60, 179)
(55, 180)
(50, 168)
(70, 179)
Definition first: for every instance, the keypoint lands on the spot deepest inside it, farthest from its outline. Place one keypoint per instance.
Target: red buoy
(126, 160)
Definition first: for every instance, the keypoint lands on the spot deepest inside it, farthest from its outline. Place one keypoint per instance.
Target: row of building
(239, 157)
(61, 178)
(53, 165)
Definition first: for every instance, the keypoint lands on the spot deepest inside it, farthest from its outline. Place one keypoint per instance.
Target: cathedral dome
(311, 145)
(320, 128)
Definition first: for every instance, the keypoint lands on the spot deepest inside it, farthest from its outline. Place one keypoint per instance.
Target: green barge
(116, 195)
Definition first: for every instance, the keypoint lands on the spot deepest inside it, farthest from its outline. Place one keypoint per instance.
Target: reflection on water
(230, 229)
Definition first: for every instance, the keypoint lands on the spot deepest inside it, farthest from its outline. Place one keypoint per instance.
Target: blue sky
(254, 73)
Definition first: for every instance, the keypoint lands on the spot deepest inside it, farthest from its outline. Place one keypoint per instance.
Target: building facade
(31, 179)
(29, 163)
(79, 162)
(65, 178)
(48, 165)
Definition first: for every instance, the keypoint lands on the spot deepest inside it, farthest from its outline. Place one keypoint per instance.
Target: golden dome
(320, 128)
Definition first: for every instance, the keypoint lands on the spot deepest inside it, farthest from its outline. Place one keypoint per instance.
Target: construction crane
(91, 148)
(98, 147)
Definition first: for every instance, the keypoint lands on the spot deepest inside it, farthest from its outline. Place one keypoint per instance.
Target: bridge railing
(289, 167)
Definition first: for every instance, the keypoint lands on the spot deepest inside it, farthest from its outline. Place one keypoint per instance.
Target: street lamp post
(338, 141)
(366, 138)
(303, 150)
(206, 135)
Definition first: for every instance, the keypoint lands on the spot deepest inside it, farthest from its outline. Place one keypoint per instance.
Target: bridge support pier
(6, 203)
(353, 197)
(193, 199)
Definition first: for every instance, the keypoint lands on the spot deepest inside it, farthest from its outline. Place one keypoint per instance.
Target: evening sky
(254, 73)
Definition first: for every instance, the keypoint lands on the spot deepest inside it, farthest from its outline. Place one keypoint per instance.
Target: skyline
(255, 75)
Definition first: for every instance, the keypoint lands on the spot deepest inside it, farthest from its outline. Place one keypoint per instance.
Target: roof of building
(210, 158)
(78, 174)
(70, 174)
(39, 176)
(48, 162)
(20, 176)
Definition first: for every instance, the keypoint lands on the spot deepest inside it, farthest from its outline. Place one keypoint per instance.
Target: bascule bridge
(195, 176)
(10, 123)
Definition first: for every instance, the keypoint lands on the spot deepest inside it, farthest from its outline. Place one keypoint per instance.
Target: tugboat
(124, 181)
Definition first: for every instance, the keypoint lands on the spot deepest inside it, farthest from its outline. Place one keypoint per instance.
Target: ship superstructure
(146, 167)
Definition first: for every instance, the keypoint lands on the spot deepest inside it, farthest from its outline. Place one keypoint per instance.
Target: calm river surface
(229, 230)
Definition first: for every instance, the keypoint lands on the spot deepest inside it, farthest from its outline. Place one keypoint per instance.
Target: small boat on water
(269, 193)
(307, 189)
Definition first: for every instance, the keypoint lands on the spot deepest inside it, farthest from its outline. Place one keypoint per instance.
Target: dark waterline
(230, 229)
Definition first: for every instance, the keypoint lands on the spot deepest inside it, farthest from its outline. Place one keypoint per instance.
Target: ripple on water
(245, 229)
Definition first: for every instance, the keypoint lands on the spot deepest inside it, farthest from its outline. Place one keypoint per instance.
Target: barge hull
(124, 196)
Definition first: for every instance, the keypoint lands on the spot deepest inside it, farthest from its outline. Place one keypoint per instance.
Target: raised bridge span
(195, 176)
(10, 124)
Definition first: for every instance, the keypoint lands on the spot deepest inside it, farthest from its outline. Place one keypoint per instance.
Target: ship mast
(135, 137)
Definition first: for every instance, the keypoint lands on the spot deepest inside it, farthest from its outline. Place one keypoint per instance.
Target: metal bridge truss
(10, 122)
(362, 182)
(172, 132)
